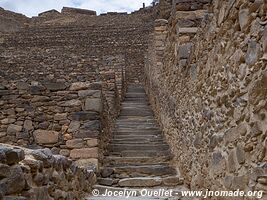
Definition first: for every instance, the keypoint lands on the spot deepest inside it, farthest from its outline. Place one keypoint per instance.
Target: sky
(33, 7)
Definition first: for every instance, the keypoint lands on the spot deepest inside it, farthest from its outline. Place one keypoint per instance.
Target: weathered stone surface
(74, 126)
(84, 115)
(72, 103)
(184, 50)
(140, 182)
(87, 93)
(75, 143)
(53, 86)
(87, 163)
(188, 30)
(93, 104)
(253, 52)
(61, 116)
(46, 137)
(13, 129)
(172, 181)
(244, 18)
(79, 86)
(84, 153)
(92, 142)
(15, 182)
(28, 125)
(92, 125)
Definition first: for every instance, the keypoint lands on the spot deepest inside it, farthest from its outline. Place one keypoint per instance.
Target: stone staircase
(138, 156)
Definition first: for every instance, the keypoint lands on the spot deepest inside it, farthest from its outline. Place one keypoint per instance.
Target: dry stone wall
(206, 76)
(38, 174)
(62, 78)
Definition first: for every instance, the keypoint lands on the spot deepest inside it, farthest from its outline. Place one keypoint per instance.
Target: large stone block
(55, 86)
(79, 86)
(87, 93)
(74, 126)
(72, 103)
(84, 116)
(94, 104)
(46, 137)
(75, 143)
(84, 153)
(92, 125)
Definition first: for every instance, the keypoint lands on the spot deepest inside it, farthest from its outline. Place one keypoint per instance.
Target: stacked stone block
(38, 174)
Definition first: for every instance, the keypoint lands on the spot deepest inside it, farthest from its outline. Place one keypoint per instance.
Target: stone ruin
(63, 76)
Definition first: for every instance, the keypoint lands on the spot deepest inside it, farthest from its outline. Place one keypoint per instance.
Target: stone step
(141, 170)
(142, 147)
(129, 142)
(132, 112)
(144, 130)
(135, 90)
(134, 103)
(150, 181)
(135, 95)
(136, 118)
(112, 160)
(138, 126)
(144, 153)
(136, 121)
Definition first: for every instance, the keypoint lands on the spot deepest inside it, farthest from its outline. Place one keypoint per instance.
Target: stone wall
(38, 174)
(65, 76)
(206, 78)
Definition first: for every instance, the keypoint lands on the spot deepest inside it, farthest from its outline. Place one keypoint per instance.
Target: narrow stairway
(138, 154)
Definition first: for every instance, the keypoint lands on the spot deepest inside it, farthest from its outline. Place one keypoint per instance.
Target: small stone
(64, 152)
(184, 50)
(256, 130)
(14, 156)
(13, 129)
(67, 136)
(85, 163)
(262, 180)
(46, 137)
(60, 116)
(252, 53)
(232, 162)
(240, 155)
(243, 18)
(3, 134)
(74, 126)
(92, 142)
(172, 181)
(106, 172)
(28, 125)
